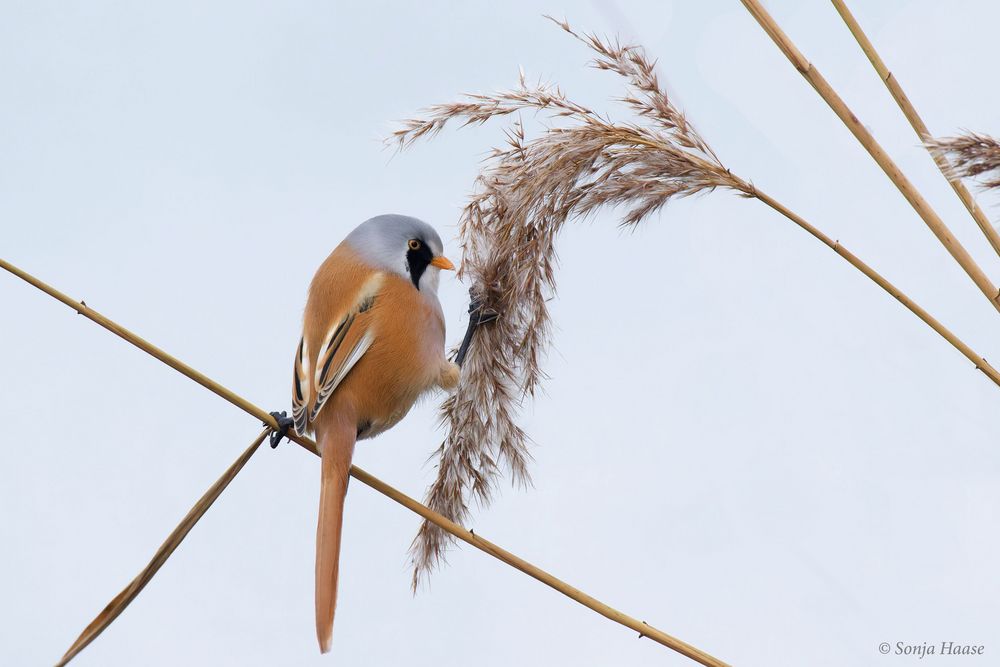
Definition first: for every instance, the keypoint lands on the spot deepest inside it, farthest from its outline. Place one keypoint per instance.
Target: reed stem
(979, 362)
(918, 125)
(865, 138)
(129, 593)
(449, 526)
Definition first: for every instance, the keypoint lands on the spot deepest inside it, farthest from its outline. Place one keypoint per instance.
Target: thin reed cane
(865, 138)
(437, 519)
(499, 553)
(129, 593)
(918, 125)
(979, 362)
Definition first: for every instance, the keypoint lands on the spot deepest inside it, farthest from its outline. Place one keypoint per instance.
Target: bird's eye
(414, 244)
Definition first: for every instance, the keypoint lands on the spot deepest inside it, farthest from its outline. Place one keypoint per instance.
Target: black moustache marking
(417, 262)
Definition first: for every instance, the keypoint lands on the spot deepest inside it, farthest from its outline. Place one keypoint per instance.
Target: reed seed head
(971, 155)
(527, 190)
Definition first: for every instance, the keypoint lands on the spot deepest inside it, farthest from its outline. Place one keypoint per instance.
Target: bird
(373, 342)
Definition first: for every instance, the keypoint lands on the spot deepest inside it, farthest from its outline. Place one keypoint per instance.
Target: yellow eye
(414, 244)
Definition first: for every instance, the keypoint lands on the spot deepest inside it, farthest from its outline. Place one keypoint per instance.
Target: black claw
(478, 314)
(481, 313)
(284, 423)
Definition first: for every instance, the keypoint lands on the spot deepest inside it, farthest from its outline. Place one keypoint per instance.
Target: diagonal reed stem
(865, 138)
(918, 125)
(970, 354)
(129, 593)
(439, 520)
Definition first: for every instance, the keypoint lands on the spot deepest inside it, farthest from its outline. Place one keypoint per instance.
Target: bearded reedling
(372, 343)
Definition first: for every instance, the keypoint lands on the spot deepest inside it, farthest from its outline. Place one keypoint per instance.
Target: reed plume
(527, 190)
(525, 193)
(971, 155)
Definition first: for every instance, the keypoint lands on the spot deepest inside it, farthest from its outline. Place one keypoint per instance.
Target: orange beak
(443, 262)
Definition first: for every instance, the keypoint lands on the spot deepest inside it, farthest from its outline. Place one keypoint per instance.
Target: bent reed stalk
(452, 528)
(867, 140)
(918, 125)
(979, 362)
(121, 601)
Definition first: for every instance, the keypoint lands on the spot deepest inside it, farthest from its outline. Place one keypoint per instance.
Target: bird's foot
(481, 313)
(284, 423)
(478, 314)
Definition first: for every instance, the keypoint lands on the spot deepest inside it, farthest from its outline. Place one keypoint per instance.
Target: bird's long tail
(337, 448)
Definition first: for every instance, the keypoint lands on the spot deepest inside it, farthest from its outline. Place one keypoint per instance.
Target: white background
(744, 441)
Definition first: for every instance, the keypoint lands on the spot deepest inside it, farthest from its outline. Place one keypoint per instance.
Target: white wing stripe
(352, 358)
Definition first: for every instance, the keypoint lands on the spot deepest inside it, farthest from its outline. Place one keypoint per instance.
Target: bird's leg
(284, 423)
(478, 314)
(449, 376)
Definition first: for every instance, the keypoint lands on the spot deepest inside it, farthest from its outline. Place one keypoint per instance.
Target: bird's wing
(301, 389)
(343, 346)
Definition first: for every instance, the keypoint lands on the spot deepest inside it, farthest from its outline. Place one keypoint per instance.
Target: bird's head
(404, 245)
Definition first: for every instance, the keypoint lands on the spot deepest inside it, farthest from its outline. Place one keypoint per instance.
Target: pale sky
(743, 442)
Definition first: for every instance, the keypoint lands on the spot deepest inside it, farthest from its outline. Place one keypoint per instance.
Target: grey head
(406, 246)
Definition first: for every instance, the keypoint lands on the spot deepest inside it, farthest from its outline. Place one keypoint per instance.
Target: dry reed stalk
(428, 514)
(865, 138)
(129, 593)
(481, 543)
(82, 309)
(972, 155)
(525, 194)
(918, 125)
